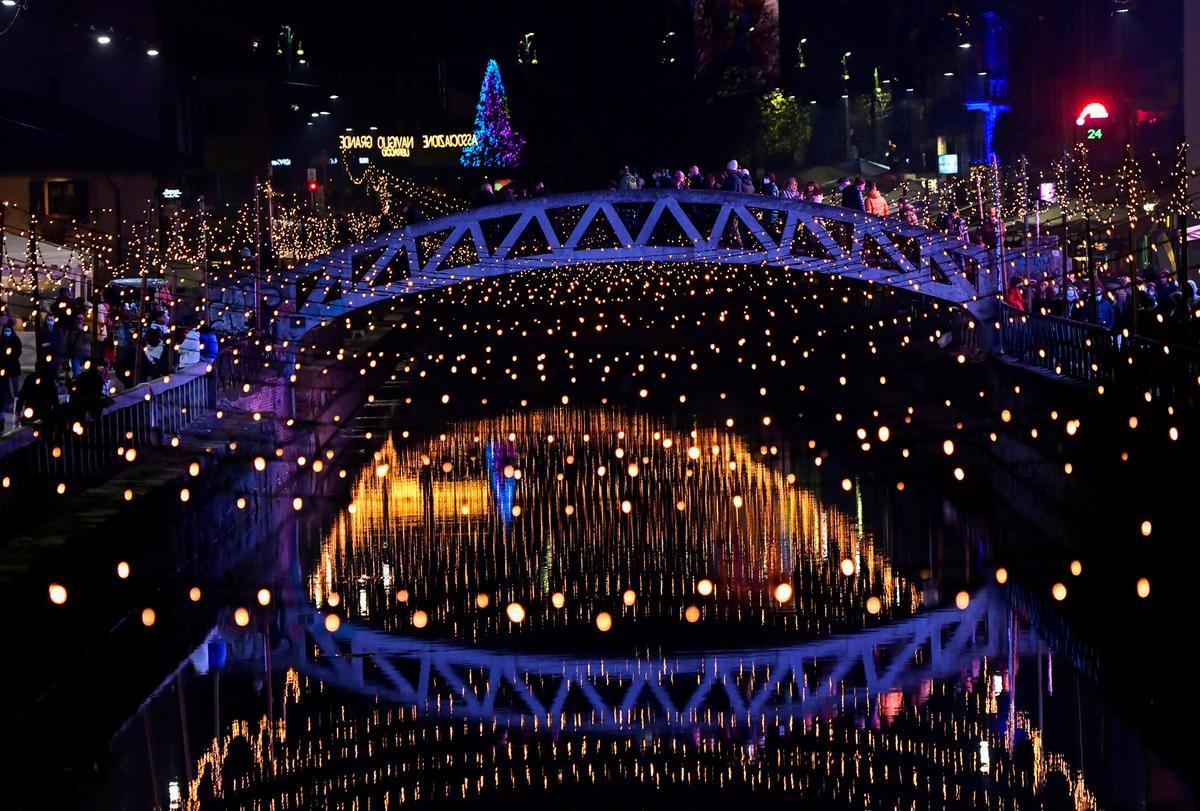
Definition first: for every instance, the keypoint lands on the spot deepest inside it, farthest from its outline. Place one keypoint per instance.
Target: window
(65, 199)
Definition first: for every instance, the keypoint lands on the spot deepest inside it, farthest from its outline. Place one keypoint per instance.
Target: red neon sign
(1091, 111)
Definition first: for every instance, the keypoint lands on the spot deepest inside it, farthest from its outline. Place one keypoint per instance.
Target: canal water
(579, 606)
(587, 544)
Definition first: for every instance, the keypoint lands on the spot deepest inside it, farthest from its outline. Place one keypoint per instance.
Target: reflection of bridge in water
(410, 687)
(443, 521)
(613, 694)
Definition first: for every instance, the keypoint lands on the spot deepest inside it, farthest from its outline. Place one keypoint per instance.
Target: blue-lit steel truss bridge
(599, 693)
(598, 228)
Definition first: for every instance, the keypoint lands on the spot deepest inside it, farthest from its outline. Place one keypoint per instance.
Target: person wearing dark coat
(89, 393)
(155, 356)
(38, 401)
(485, 196)
(733, 178)
(852, 195)
(10, 369)
(51, 345)
(77, 344)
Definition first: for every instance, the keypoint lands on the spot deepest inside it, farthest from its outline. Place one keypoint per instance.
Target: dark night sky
(600, 88)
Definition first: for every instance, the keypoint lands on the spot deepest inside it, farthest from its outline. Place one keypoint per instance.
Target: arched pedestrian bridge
(643, 226)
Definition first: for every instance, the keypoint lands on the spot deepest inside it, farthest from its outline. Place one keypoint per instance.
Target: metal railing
(37, 460)
(246, 363)
(1072, 349)
(1093, 354)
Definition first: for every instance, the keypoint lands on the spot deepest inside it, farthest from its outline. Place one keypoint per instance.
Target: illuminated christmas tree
(1131, 189)
(1178, 203)
(496, 142)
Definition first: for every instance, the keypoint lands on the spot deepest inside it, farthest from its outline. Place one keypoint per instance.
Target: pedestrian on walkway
(1015, 297)
(875, 203)
(38, 400)
(852, 195)
(209, 347)
(51, 344)
(78, 340)
(189, 348)
(154, 356)
(733, 178)
(10, 371)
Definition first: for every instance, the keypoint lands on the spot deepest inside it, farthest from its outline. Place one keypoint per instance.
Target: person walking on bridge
(852, 195)
(733, 178)
(875, 203)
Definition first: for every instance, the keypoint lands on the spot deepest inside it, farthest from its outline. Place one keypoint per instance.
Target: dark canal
(582, 550)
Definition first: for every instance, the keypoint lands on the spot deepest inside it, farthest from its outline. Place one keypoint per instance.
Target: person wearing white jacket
(189, 348)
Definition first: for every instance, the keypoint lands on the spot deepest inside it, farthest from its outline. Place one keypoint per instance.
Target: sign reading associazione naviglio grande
(403, 146)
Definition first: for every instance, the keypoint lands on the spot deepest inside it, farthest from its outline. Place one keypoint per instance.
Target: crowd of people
(857, 193)
(85, 352)
(1156, 306)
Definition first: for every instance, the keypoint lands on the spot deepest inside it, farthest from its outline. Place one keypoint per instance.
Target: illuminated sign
(948, 164)
(455, 140)
(395, 146)
(402, 146)
(281, 161)
(172, 194)
(356, 141)
(1046, 193)
(1091, 112)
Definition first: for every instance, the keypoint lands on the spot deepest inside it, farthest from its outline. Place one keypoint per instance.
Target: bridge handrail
(36, 459)
(1073, 349)
(1093, 354)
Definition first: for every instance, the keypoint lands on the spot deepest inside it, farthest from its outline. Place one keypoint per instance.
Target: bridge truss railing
(617, 694)
(644, 226)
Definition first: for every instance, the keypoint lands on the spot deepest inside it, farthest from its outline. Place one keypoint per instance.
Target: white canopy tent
(57, 267)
